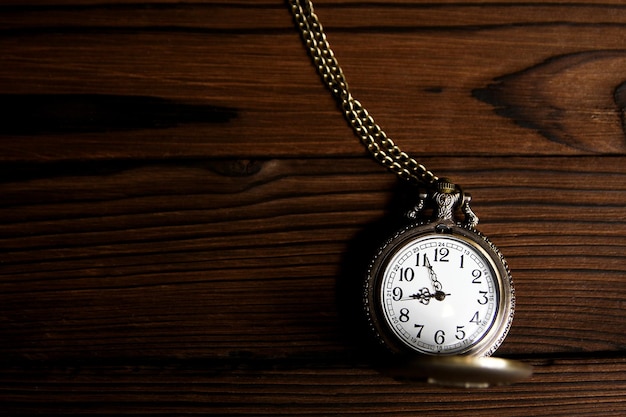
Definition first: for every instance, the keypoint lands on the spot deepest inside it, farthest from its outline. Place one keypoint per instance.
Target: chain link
(375, 140)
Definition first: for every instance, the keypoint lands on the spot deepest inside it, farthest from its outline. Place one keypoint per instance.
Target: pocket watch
(438, 286)
(438, 295)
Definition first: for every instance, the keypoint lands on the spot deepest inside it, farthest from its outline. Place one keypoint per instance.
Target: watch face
(441, 293)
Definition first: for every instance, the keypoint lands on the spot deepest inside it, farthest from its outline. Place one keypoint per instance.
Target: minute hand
(431, 273)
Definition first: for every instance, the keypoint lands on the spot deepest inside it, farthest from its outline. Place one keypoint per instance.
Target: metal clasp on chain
(448, 203)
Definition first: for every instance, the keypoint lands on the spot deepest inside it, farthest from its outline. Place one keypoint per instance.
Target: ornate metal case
(446, 200)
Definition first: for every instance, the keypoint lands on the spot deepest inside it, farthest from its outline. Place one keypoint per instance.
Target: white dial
(439, 294)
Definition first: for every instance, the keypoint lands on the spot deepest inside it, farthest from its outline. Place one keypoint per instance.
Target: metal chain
(381, 147)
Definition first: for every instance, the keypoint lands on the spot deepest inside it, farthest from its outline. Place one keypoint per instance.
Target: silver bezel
(492, 339)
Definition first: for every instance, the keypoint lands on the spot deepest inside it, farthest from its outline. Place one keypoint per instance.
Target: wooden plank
(195, 388)
(166, 80)
(100, 260)
(185, 214)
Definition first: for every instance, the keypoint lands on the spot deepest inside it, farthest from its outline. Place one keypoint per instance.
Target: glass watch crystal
(439, 289)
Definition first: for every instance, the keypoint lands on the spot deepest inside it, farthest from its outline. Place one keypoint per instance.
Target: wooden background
(181, 201)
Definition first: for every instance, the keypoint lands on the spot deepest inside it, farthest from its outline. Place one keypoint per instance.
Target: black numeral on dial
(407, 274)
(404, 315)
(441, 255)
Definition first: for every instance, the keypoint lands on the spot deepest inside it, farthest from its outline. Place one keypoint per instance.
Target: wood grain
(266, 247)
(185, 214)
(289, 389)
(247, 58)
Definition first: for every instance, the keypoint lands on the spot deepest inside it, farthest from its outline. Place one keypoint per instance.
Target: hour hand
(424, 296)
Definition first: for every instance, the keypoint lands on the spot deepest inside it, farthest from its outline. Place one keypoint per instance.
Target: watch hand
(440, 295)
(424, 296)
(432, 275)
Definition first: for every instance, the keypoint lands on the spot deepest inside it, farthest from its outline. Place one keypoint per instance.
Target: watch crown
(446, 186)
